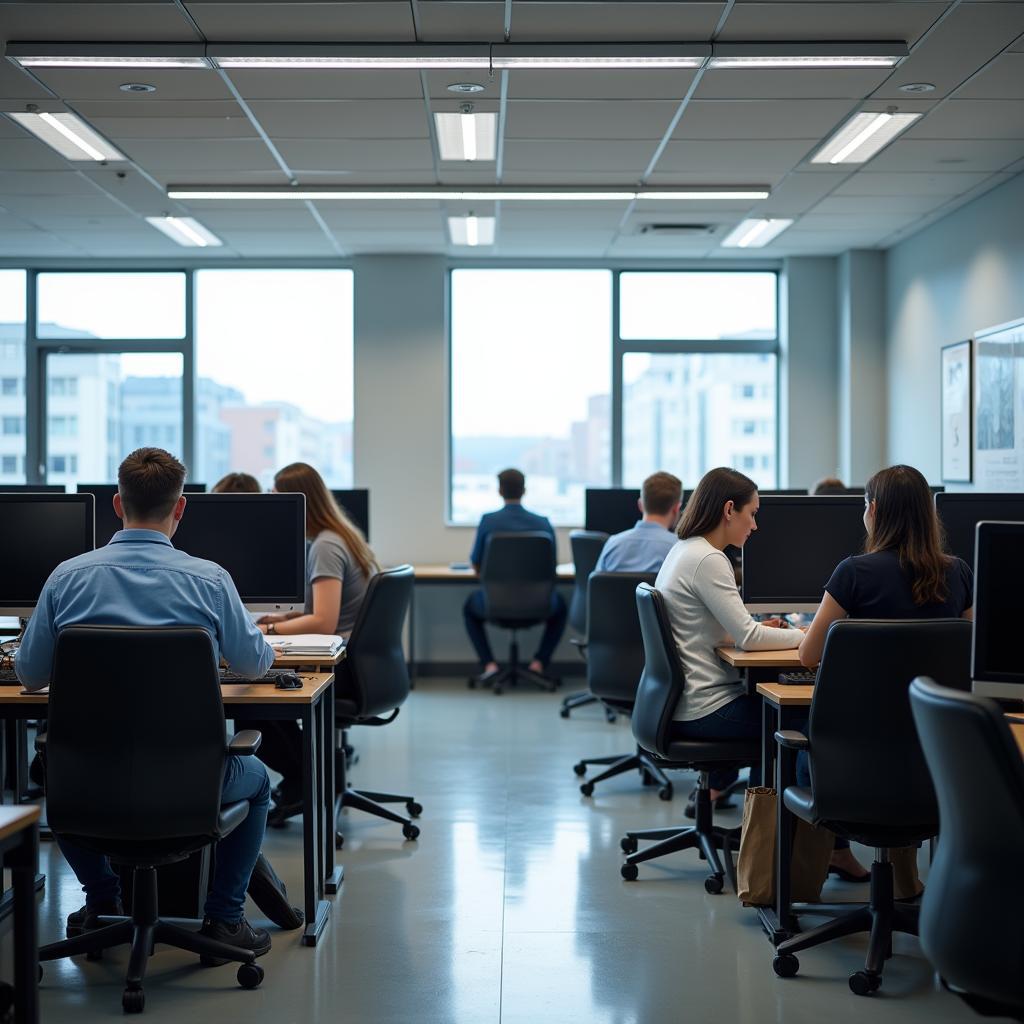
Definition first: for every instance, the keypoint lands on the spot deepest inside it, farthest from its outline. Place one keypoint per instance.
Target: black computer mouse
(288, 681)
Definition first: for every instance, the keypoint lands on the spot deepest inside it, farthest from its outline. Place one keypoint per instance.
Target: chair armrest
(245, 743)
(792, 740)
(41, 743)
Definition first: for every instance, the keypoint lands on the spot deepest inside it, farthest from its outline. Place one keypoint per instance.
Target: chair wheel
(713, 884)
(339, 840)
(563, 712)
(630, 872)
(587, 789)
(785, 965)
(665, 793)
(250, 975)
(411, 831)
(133, 1000)
(863, 983)
(580, 768)
(629, 844)
(413, 809)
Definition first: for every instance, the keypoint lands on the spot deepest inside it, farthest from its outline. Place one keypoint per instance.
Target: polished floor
(508, 909)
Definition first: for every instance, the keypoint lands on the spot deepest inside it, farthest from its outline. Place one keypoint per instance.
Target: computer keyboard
(271, 678)
(806, 678)
(8, 678)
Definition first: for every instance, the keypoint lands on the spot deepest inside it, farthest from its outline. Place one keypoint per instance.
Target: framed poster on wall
(956, 412)
(999, 408)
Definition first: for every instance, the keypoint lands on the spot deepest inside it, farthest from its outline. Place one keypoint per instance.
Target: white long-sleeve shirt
(706, 611)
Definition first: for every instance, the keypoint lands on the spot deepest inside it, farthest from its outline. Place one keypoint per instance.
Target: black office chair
(586, 549)
(661, 687)
(372, 684)
(518, 579)
(971, 913)
(615, 662)
(869, 779)
(134, 754)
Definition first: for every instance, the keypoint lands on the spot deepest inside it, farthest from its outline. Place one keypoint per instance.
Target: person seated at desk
(339, 564)
(139, 579)
(237, 483)
(828, 485)
(644, 547)
(512, 518)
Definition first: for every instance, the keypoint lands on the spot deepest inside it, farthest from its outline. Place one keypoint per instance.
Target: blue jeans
(474, 610)
(739, 719)
(245, 778)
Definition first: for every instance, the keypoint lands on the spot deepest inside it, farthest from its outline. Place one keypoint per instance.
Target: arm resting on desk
(245, 743)
(792, 740)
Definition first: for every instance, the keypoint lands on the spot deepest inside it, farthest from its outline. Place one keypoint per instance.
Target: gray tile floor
(508, 909)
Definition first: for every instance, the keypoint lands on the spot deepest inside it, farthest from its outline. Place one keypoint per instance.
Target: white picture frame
(956, 439)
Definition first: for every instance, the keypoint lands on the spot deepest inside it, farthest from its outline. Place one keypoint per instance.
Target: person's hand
(775, 623)
(265, 620)
(262, 628)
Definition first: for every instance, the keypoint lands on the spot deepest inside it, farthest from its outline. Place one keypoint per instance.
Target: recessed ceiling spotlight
(137, 87)
(917, 87)
(465, 87)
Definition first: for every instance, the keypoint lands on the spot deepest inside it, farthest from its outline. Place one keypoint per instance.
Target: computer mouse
(288, 681)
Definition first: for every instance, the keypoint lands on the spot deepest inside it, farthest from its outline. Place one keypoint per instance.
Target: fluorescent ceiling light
(471, 230)
(465, 136)
(755, 232)
(704, 193)
(356, 62)
(196, 192)
(417, 56)
(107, 55)
(111, 62)
(617, 55)
(862, 137)
(185, 231)
(802, 62)
(68, 135)
(808, 55)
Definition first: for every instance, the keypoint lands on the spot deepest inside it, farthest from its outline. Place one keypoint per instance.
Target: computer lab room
(512, 511)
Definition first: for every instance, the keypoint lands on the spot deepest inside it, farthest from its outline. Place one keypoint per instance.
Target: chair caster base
(629, 844)
(714, 884)
(250, 975)
(630, 872)
(863, 983)
(411, 831)
(133, 1000)
(785, 965)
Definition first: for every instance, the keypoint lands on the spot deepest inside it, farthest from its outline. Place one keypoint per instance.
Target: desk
(309, 663)
(313, 706)
(761, 666)
(1017, 728)
(19, 847)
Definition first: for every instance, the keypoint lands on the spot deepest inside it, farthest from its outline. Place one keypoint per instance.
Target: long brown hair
(906, 522)
(703, 511)
(323, 512)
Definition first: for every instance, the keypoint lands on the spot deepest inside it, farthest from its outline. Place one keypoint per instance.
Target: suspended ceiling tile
(73, 84)
(870, 205)
(236, 177)
(758, 159)
(734, 175)
(796, 193)
(438, 82)
(298, 22)
(543, 20)
(359, 155)
(753, 22)
(154, 21)
(776, 83)
(627, 84)
(46, 183)
(760, 119)
(34, 207)
(1002, 79)
(568, 217)
(15, 84)
(580, 119)
(35, 243)
(629, 157)
(28, 154)
(270, 217)
(339, 119)
(869, 183)
(190, 158)
(158, 109)
(355, 219)
(861, 222)
(461, 21)
(571, 177)
(118, 128)
(973, 119)
(928, 155)
(277, 84)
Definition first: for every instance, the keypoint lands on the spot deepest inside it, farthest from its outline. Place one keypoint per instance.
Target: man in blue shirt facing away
(140, 579)
(644, 547)
(513, 518)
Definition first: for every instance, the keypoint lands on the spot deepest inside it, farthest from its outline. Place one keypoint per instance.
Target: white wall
(962, 274)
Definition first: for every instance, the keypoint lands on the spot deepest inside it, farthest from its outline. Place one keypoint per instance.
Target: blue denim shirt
(513, 518)
(640, 549)
(141, 579)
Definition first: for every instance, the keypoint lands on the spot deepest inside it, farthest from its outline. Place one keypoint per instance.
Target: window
(530, 387)
(9, 465)
(12, 374)
(13, 426)
(9, 386)
(274, 367)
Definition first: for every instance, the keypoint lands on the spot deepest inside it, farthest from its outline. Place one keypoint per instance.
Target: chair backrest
(866, 761)
(374, 660)
(662, 680)
(586, 549)
(518, 576)
(135, 740)
(972, 910)
(615, 646)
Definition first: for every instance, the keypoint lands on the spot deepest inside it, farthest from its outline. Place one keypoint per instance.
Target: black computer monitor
(798, 543)
(259, 538)
(39, 532)
(611, 509)
(31, 488)
(961, 512)
(997, 667)
(356, 505)
(790, 491)
(107, 522)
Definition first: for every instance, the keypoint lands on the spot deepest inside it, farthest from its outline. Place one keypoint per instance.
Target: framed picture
(956, 412)
(998, 462)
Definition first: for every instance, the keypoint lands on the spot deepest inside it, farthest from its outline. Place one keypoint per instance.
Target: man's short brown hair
(511, 484)
(660, 492)
(150, 482)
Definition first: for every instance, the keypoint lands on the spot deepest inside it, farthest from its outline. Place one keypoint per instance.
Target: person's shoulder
(86, 560)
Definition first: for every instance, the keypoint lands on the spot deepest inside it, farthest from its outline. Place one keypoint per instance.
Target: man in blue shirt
(513, 518)
(644, 547)
(140, 579)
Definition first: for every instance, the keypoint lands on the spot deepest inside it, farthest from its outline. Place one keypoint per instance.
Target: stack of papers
(312, 644)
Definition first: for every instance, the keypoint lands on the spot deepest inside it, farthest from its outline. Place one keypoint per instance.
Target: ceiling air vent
(677, 230)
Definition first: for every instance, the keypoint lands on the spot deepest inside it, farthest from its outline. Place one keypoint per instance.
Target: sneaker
(239, 933)
(84, 920)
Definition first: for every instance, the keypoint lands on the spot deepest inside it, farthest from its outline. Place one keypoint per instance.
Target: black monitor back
(961, 513)
(356, 505)
(38, 532)
(611, 509)
(31, 488)
(107, 523)
(798, 543)
(259, 538)
(996, 657)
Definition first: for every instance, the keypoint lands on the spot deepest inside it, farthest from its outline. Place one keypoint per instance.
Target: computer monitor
(961, 512)
(356, 505)
(790, 491)
(259, 538)
(798, 543)
(31, 488)
(997, 667)
(40, 531)
(107, 522)
(611, 509)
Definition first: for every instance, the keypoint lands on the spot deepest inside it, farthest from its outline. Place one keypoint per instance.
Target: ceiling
(623, 128)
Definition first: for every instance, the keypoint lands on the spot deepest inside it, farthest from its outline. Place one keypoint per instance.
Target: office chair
(615, 662)
(657, 696)
(372, 684)
(869, 780)
(586, 549)
(135, 754)
(970, 921)
(518, 580)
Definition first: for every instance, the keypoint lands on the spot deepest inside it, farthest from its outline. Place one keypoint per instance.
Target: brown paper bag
(906, 883)
(755, 867)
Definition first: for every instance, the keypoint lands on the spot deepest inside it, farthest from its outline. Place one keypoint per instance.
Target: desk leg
(316, 908)
(333, 874)
(785, 775)
(23, 861)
